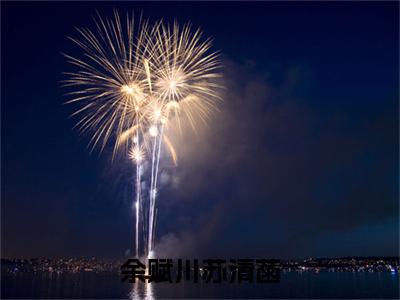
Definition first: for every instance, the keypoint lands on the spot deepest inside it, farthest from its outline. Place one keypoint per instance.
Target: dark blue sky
(301, 161)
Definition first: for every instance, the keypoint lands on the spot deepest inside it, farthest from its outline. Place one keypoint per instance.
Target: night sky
(301, 160)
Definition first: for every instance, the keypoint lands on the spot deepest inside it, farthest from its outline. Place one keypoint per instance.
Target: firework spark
(131, 81)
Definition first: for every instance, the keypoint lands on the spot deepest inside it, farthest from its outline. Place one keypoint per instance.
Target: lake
(291, 285)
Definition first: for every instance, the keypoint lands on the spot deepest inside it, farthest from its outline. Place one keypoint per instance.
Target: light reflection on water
(142, 291)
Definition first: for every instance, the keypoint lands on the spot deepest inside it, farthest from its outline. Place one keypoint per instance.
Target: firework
(130, 82)
(183, 74)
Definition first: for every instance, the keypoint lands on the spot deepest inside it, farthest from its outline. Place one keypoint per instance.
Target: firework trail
(130, 82)
(183, 75)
